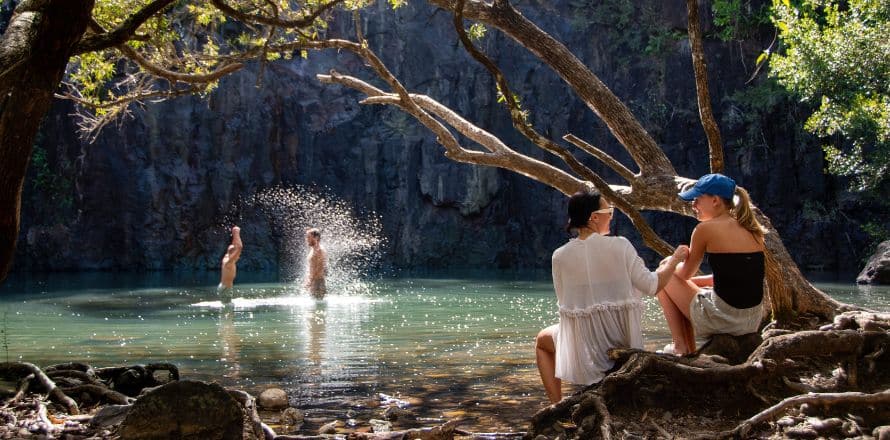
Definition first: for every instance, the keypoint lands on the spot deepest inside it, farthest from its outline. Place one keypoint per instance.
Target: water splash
(353, 241)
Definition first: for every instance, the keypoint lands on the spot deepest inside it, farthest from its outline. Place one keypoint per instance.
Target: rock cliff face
(154, 192)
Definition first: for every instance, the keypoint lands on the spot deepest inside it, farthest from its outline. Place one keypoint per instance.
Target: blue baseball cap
(713, 184)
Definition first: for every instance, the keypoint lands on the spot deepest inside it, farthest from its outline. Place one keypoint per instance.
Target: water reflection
(315, 332)
(230, 343)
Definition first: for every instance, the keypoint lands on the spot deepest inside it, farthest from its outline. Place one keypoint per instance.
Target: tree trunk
(34, 52)
(715, 145)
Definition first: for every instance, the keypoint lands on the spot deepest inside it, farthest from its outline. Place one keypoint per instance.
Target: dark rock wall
(153, 192)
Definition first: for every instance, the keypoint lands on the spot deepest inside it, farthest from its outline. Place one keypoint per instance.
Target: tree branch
(700, 67)
(124, 32)
(522, 125)
(274, 21)
(623, 125)
(517, 115)
(130, 98)
(172, 76)
(604, 157)
(499, 155)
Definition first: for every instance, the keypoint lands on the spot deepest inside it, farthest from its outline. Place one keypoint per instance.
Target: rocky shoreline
(151, 402)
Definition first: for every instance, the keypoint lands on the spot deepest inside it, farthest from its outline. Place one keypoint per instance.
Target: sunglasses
(608, 210)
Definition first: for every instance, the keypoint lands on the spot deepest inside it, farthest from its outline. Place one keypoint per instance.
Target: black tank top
(738, 277)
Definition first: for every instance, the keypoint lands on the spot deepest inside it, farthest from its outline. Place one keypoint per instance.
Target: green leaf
(762, 57)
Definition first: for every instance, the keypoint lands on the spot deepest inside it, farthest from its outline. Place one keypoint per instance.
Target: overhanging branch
(122, 33)
(604, 157)
(304, 21)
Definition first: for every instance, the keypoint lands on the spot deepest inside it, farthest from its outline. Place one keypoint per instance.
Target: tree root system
(829, 383)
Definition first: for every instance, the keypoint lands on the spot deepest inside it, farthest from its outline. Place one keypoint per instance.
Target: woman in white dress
(599, 282)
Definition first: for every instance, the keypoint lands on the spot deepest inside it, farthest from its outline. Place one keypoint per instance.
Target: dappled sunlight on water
(445, 348)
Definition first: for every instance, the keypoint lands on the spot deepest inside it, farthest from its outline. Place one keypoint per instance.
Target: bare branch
(131, 98)
(499, 155)
(604, 157)
(123, 33)
(523, 126)
(649, 157)
(172, 76)
(489, 141)
(700, 67)
(274, 21)
(517, 115)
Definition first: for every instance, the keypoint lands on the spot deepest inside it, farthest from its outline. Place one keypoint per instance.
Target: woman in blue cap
(730, 300)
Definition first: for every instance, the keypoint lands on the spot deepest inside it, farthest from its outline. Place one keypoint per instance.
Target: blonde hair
(780, 301)
(744, 215)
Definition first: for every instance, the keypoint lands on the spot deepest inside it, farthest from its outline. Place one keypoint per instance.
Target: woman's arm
(703, 281)
(697, 245)
(667, 267)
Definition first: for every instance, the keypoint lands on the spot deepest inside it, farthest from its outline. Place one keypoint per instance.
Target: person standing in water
(229, 266)
(317, 265)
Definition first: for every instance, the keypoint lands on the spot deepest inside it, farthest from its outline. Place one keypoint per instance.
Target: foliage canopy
(836, 55)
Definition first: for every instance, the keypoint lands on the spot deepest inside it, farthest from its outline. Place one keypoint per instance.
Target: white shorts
(711, 315)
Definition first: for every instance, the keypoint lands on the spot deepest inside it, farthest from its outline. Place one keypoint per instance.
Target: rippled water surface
(446, 348)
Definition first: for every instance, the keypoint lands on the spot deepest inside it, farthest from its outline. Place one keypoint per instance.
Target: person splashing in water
(317, 265)
(229, 266)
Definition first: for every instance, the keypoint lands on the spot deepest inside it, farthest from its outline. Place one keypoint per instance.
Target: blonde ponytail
(781, 303)
(743, 214)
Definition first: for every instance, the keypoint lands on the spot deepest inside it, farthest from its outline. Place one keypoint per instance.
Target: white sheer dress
(599, 283)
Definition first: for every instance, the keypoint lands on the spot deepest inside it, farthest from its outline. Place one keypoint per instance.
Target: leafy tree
(836, 55)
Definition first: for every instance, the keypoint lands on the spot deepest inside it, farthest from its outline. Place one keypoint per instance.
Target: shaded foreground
(829, 383)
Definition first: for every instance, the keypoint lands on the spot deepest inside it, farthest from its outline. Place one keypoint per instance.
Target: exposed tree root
(824, 400)
(24, 384)
(732, 378)
(19, 370)
(489, 435)
(97, 393)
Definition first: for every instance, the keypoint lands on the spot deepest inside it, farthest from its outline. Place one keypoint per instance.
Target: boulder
(110, 415)
(877, 270)
(187, 410)
(272, 398)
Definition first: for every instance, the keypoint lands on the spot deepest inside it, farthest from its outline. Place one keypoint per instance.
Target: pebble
(395, 413)
(786, 422)
(291, 416)
(801, 432)
(329, 428)
(850, 429)
(826, 424)
(380, 425)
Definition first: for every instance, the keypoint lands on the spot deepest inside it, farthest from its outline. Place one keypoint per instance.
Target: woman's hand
(681, 253)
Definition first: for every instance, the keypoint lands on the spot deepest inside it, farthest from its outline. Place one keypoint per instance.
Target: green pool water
(444, 347)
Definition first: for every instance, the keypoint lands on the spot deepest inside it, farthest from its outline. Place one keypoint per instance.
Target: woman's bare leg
(675, 300)
(545, 353)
